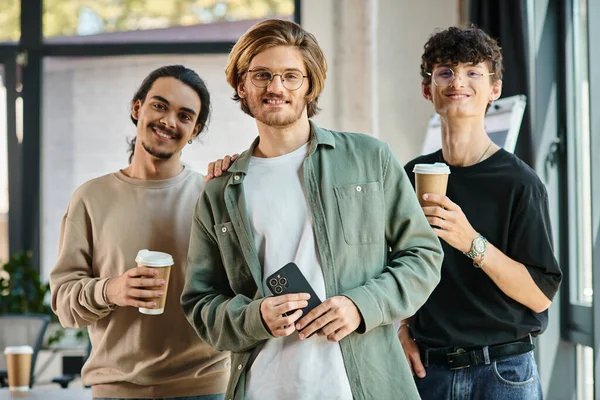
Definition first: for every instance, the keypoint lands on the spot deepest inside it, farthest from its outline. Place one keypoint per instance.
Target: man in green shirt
(340, 206)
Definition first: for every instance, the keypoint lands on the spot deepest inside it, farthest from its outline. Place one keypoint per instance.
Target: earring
(190, 141)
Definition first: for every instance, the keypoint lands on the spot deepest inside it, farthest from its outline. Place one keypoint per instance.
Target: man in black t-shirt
(472, 338)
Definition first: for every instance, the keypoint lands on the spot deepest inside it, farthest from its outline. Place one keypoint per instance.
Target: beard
(276, 118)
(163, 155)
(155, 151)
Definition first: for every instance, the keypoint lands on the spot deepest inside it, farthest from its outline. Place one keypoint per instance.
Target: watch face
(479, 245)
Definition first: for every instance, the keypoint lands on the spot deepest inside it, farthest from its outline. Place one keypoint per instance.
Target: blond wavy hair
(271, 33)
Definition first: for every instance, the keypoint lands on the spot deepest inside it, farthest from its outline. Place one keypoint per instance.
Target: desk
(48, 394)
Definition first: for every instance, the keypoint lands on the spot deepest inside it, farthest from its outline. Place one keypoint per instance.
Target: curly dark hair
(466, 45)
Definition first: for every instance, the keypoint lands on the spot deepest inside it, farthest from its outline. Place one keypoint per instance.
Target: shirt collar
(318, 137)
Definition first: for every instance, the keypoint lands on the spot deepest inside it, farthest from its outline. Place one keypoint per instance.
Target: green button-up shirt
(375, 246)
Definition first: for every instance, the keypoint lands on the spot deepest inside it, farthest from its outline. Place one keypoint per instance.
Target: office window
(3, 170)
(579, 165)
(110, 21)
(585, 373)
(10, 24)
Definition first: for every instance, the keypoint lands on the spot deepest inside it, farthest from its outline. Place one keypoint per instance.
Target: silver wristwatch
(477, 249)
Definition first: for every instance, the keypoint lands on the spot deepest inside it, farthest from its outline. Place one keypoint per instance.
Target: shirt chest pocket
(238, 273)
(361, 207)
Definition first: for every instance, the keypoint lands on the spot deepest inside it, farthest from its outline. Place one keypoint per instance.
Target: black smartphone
(289, 279)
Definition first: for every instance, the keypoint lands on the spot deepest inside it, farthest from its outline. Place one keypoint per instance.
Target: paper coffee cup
(430, 178)
(163, 263)
(18, 363)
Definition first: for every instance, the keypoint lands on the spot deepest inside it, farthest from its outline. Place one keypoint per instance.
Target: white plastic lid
(18, 350)
(154, 258)
(431, 169)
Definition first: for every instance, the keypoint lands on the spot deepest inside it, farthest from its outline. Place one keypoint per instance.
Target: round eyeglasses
(291, 79)
(444, 76)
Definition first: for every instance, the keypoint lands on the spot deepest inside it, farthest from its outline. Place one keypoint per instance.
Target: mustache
(274, 97)
(166, 130)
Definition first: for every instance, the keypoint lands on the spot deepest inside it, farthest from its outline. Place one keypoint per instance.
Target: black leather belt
(458, 358)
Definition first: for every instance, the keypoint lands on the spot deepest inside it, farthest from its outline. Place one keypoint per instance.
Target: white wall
(374, 51)
(403, 113)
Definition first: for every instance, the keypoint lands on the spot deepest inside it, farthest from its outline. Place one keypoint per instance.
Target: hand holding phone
(335, 318)
(280, 313)
(290, 301)
(289, 279)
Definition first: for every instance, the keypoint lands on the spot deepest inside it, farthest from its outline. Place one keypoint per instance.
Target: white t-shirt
(286, 367)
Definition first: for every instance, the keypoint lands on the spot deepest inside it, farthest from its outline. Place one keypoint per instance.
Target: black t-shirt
(506, 202)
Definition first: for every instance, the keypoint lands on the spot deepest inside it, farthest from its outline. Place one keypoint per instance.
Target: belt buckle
(457, 352)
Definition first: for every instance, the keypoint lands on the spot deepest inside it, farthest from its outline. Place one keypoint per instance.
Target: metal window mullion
(298, 11)
(593, 14)
(30, 47)
(118, 49)
(13, 156)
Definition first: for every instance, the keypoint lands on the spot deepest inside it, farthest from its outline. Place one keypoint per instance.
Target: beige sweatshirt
(133, 355)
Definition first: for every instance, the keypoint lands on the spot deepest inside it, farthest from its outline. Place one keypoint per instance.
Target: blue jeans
(512, 378)
(205, 397)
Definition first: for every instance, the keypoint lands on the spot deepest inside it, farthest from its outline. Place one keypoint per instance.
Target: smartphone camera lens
(273, 282)
(283, 281)
(278, 289)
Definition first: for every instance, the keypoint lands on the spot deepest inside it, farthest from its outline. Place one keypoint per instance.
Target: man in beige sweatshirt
(148, 205)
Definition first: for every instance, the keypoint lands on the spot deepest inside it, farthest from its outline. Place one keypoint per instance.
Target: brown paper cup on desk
(18, 363)
(430, 178)
(163, 263)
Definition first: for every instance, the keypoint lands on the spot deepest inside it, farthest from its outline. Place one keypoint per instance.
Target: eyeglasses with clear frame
(291, 79)
(444, 76)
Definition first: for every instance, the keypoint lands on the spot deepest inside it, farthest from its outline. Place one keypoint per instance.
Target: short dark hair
(466, 45)
(185, 76)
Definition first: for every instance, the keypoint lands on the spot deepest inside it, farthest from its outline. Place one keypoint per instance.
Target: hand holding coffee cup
(140, 287)
(161, 263)
(430, 178)
(18, 363)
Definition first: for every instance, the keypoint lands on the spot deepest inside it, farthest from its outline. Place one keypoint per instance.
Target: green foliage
(62, 17)
(10, 13)
(22, 291)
